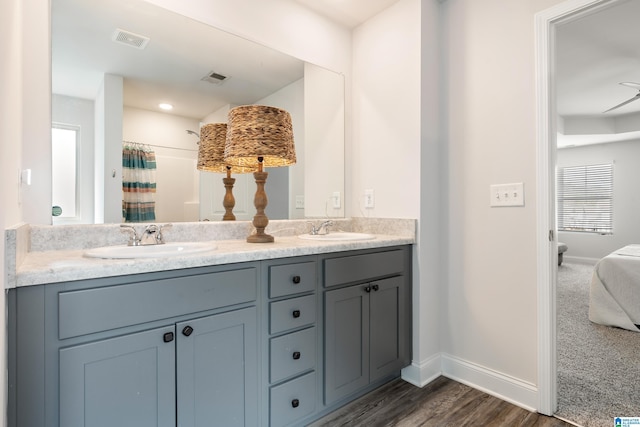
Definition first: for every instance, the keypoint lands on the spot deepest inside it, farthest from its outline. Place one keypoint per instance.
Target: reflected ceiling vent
(215, 78)
(130, 39)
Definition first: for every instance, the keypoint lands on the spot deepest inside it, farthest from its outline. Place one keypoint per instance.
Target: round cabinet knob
(296, 314)
(168, 337)
(375, 287)
(295, 403)
(187, 330)
(296, 355)
(296, 279)
(367, 289)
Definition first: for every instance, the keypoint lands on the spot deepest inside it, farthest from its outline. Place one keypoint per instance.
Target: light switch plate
(336, 200)
(506, 195)
(369, 199)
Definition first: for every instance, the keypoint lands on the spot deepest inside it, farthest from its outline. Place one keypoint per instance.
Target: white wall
(108, 151)
(490, 332)
(394, 57)
(386, 113)
(324, 141)
(11, 111)
(626, 198)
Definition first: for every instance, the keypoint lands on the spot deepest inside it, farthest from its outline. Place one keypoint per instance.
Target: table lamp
(259, 136)
(211, 159)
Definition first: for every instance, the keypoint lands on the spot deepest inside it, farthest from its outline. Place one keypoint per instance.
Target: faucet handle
(314, 230)
(159, 235)
(134, 240)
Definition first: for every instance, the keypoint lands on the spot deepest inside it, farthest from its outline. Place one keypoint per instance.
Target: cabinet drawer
(93, 310)
(292, 313)
(292, 354)
(361, 268)
(293, 400)
(291, 279)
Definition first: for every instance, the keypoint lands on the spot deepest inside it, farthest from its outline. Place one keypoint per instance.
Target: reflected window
(64, 140)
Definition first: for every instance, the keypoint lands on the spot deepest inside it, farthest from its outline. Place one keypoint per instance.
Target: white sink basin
(150, 251)
(338, 236)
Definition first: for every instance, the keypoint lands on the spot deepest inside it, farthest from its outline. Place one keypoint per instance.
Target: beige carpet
(598, 366)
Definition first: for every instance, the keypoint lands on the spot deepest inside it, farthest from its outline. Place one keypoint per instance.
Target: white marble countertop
(62, 264)
(59, 266)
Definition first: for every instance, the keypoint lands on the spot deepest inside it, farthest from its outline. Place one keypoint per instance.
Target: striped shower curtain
(138, 182)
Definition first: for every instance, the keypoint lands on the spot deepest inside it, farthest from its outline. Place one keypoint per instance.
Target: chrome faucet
(152, 234)
(134, 240)
(315, 231)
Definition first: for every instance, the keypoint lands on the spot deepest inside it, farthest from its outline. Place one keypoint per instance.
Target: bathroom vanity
(272, 341)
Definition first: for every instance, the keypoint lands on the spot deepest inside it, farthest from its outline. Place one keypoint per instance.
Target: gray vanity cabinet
(216, 370)
(367, 321)
(271, 343)
(176, 348)
(291, 340)
(209, 370)
(123, 381)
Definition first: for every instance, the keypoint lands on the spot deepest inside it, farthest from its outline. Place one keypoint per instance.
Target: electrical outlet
(25, 177)
(369, 199)
(506, 195)
(336, 200)
(299, 202)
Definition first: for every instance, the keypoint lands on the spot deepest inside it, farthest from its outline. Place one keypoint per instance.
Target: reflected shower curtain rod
(161, 146)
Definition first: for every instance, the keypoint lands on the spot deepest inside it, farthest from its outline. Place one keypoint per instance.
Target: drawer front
(291, 279)
(93, 310)
(293, 400)
(292, 313)
(292, 354)
(361, 268)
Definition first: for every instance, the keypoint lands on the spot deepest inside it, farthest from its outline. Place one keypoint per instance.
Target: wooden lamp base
(229, 201)
(260, 220)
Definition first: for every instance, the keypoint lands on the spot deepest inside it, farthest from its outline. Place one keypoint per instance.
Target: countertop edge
(45, 267)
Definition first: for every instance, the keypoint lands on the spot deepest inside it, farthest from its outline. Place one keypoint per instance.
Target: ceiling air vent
(215, 78)
(130, 39)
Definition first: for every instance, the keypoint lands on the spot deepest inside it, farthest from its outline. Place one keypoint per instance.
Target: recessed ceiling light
(166, 107)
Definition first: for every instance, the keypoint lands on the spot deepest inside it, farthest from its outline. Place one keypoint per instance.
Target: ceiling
(594, 54)
(349, 13)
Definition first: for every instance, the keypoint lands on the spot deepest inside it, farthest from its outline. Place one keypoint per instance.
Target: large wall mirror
(115, 61)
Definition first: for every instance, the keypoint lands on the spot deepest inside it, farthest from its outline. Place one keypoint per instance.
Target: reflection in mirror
(64, 144)
(115, 61)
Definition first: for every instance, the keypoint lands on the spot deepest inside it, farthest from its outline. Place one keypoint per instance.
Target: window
(585, 198)
(64, 148)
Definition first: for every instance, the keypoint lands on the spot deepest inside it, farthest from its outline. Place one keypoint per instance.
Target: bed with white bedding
(614, 297)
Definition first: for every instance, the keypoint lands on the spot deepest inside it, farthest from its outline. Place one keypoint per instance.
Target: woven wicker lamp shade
(213, 137)
(262, 136)
(259, 131)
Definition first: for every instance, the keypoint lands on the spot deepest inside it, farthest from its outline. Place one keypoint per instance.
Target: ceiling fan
(635, 98)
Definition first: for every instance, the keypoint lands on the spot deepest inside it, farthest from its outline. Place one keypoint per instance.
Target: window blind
(585, 198)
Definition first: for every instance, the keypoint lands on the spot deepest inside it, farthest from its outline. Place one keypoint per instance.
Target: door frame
(546, 128)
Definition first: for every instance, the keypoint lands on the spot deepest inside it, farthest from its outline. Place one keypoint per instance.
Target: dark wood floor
(442, 403)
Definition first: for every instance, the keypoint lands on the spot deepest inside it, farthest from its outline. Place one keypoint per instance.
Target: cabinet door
(346, 341)
(123, 381)
(217, 370)
(387, 327)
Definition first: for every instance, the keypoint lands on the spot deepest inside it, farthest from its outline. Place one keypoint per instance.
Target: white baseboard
(422, 373)
(507, 388)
